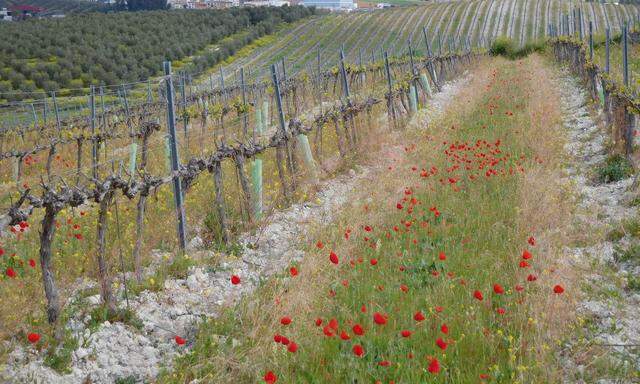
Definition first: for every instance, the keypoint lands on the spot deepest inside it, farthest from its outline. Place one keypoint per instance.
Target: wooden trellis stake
(390, 107)
(607, 43)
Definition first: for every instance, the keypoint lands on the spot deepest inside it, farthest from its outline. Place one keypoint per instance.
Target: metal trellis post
(177, 188)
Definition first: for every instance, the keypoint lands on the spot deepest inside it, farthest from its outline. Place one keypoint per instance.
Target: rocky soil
(606, 346)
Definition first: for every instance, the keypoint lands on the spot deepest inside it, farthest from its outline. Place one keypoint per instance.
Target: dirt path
(116, 351)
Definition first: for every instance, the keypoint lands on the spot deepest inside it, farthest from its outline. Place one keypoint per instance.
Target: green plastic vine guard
(265, 113)
(133, 154)
(259, 124)
(256, 167)
(256, 179)
(305, 148)
(425, 84)
(413, 99)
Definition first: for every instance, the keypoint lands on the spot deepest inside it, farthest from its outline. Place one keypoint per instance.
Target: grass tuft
(615, 168)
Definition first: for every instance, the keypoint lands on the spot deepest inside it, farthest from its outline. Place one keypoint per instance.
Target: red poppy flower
(277, 338)
(478, 295)
(319, 245)
(405, 333)
(526, 255)
(179, 340)
(285, 341)
(439, 309)
(358, 350)
(399, 206)
(501, 311)
(285, 320)
(270, 378)
(442, 256)
(327, 331)
(358, 330)
(293, 347)
(33, 338)
(418, 316)
(531, 241)
(404, 288)
(441, 343)
(497, 288)
(558, 289)
(523, 264)
(293, 271)
(379, 318)
(384, 363)
(444, 329)
(333, 257)
(235, 279)
(333, 324)
(363, 309)
(373, 261)
(11, 272)
(318, 322)
(32, 263)
(344, 335)
(434, 366)
(532, 278)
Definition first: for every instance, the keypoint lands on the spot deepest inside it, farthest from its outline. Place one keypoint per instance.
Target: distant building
(265, 3)
(5, 14)
(25, 11)
(333, 5)
(383, 5)
(191, 4)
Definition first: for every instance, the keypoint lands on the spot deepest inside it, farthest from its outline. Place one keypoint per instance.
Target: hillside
(97, 48)
(389, 29)
(29, 66)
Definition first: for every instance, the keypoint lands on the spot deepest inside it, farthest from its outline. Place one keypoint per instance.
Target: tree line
(107, 49)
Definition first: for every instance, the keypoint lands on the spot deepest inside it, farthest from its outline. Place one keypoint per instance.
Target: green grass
(633, 283)
(60, 353)
(479, 231)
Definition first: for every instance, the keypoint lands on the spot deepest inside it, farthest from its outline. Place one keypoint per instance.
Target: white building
(265, 3)
(5, 15)
(334, 5)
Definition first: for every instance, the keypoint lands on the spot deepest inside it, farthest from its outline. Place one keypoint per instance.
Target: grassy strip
(431, 234)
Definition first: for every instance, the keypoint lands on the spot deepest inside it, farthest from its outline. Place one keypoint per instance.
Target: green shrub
(127, 380)
(633, 283)
(630, 254)
(504, 46)
(615, 168)
(60, 354)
